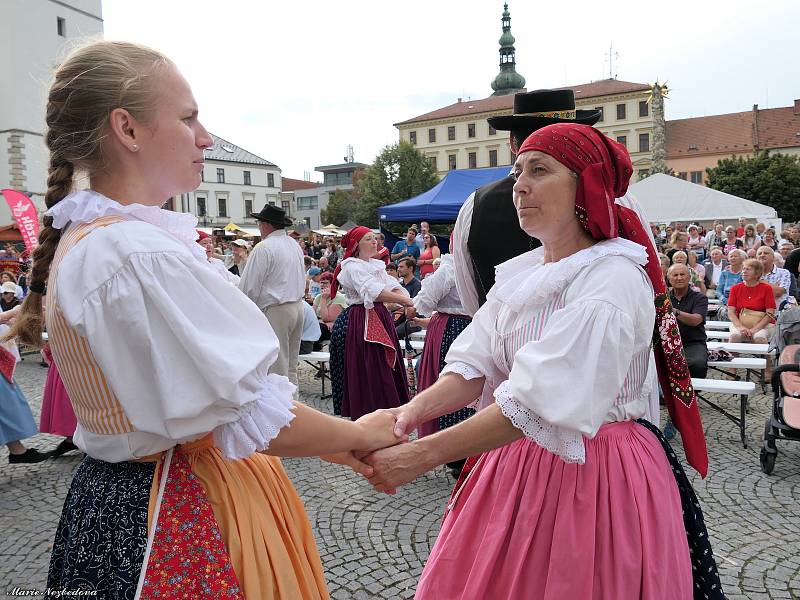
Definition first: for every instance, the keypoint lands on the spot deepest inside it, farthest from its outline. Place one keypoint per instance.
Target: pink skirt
(528, 525)
(58, 417)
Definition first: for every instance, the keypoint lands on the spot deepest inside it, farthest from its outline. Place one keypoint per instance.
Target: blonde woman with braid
(165, 362)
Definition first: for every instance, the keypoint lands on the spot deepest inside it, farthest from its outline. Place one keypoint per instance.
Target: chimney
(459, 100)
(797, 106)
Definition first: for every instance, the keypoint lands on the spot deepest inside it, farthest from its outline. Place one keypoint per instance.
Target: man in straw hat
(274, 279)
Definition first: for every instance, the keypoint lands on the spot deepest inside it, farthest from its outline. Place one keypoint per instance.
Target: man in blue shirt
(406, 248)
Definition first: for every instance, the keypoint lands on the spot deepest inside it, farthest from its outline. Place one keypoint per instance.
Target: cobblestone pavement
(374, 545)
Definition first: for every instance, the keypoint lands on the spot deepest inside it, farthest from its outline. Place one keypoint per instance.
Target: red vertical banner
(24, 212)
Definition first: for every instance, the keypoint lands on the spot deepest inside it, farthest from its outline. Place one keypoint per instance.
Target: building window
(644, 142)
(492, 130)
(201, 206)
(203, 175)
(620, 112)
(270, 179)
(307, 203)
(682, 175)
(61, 26)
(452, 161)
(451, 133)
(644, 108)
(223, 206)
(220, 175)
(434, 164)
(248, 207)
(247, 178)
(345, 178)
(623, 139)
(473, 160)
(432, 136)
(412, 137)
(285, 206)
(697, 176)
(600, 110)
(471, 130)
(492, 158)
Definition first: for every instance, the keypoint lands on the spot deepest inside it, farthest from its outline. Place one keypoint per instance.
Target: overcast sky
(296, 82)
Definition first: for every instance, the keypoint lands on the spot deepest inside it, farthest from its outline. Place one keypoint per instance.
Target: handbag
(750, 318)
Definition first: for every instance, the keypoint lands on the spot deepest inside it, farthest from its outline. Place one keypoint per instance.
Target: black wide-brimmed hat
(537, 109)
(273, 215)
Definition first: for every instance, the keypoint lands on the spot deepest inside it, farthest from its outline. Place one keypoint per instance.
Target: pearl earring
(135, 147)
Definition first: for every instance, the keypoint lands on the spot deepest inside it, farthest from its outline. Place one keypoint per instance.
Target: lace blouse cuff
(260, 422)
(565, 443)
(467, 371)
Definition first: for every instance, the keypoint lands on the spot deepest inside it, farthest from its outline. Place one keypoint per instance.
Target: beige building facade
(459, 137)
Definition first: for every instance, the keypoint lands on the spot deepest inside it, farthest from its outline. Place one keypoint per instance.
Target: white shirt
(274, 271)
(363, 280)
(439, 293)
(717, 271)
(184, 352)
(564, 346)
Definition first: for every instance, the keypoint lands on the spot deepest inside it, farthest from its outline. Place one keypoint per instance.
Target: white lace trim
(527, 279)
(564, 443)
(467, 371)
(261, 421)
(87, 205)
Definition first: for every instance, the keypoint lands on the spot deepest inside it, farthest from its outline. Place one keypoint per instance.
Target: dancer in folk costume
(574, 495)
(166, 363)
(367, 370)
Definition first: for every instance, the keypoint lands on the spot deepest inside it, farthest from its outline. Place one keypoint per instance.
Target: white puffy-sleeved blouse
(184, 352)
(564, 346)
(438, 293)
(363, 280)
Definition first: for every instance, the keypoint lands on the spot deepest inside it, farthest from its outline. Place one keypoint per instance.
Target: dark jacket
(709, 267)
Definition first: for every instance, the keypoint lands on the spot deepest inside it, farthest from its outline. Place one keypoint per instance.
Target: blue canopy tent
(441, 203)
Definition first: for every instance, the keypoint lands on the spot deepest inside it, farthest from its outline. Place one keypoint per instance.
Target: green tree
(399, 172)
(771, 179)
(341, 208)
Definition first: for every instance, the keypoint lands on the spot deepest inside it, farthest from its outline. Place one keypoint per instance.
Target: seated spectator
(331, 253)
(751, 306)
(412, 285)
(327, 308)
(761, 229)
(324, 265)
(313, 287)
(696, 242)
(769, 239)
(311, 334)
(391, 269)
(716, 238)
(714, 267)
(678, 243)
(780, 280)
(665, 264)
(730, 276)
(731, 241)
(9, 277)
(740, 228)
(696, 282)
(406, 248)
(750, 240)
(791, 259)
(695, 265)
(8, 298)
(690, 308)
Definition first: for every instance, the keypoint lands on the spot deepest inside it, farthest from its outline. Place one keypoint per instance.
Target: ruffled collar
(87, 205)
(527, 279)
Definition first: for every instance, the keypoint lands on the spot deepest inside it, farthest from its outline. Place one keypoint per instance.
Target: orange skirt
(262, 520)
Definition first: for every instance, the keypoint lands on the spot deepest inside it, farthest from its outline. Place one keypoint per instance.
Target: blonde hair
(92, 82)
(755, 264)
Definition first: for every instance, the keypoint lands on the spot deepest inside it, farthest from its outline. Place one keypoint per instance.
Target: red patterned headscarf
(350, 243)
(604, 169)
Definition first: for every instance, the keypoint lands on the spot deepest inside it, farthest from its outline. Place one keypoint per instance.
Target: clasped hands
(386, 459)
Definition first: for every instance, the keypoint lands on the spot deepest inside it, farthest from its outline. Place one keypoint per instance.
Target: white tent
(666, 199)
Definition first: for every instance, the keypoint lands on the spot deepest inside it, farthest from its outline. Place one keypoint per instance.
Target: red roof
(735, 132)
(289, 185)
(594, 89)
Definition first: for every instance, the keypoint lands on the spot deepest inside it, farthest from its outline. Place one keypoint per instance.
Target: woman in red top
(429, 254)
(751, 306)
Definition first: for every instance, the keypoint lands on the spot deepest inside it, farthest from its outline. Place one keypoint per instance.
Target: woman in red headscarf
(574, 495)
(366, 364)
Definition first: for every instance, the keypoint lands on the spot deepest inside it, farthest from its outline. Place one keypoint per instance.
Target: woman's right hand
(378, 430)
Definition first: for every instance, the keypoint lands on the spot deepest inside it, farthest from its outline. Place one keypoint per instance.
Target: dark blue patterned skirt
(338, 335)
(455, 325)
(102, 535)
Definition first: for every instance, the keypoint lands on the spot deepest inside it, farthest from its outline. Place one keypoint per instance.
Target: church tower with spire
(508, 81)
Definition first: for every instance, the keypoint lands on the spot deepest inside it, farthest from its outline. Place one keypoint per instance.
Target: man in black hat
(274, 279)
(487, 230)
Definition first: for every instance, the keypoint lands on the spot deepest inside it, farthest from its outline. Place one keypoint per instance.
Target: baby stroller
(784, 419)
